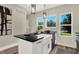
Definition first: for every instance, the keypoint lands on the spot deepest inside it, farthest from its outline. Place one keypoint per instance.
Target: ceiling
(39, 7)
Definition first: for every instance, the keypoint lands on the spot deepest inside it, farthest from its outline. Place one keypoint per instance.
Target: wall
(19, 24)
(67, 41)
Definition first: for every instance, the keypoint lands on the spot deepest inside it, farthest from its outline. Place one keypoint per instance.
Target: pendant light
(44, 12)
(33, 8)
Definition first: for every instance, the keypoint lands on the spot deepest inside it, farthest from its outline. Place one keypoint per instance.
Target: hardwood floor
(12, 50)
(58, 49)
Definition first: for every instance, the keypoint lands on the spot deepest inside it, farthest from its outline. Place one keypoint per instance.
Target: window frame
(66, 24)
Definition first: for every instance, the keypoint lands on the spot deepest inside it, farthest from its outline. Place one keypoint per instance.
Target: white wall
(19, 24)
(67, 41)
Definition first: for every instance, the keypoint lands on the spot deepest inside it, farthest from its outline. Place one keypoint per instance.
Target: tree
(67, 28)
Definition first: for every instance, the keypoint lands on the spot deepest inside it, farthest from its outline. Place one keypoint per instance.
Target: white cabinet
(42, 46)
(46, 48)
(25, 47)
(37, 47)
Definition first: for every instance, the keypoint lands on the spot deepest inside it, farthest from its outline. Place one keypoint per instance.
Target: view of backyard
(66, 30)
(40, 23)
(65, 24)
(51, 21)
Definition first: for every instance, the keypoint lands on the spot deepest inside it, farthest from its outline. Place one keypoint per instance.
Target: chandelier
(44, 12)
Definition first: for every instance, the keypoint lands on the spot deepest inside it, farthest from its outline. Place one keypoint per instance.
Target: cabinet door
(46, 48)
(37, 47)
(25, 47)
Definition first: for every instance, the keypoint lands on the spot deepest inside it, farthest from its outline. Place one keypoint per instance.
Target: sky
(40, 19)
(62, 17)
(53, 18)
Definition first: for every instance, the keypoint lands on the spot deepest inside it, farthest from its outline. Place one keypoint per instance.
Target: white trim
(66, 25)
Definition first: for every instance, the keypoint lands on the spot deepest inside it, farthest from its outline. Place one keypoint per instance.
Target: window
(40, 23)
(66, 24)
(51, 21)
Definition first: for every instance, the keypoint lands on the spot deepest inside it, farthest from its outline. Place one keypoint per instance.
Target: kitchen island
(34, 44)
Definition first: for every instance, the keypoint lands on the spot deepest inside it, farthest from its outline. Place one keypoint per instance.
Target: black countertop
(30, 37)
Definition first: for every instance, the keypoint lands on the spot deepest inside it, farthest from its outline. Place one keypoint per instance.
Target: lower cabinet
(37, 47)
(46, 48)
(42, 46)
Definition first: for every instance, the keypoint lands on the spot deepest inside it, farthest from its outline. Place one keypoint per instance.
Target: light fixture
(33, 8)
(44, 12)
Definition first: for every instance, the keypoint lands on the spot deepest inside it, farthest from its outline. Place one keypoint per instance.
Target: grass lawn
(65, 34)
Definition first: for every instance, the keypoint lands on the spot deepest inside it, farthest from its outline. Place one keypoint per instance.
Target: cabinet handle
(38, 42)
(48, 45)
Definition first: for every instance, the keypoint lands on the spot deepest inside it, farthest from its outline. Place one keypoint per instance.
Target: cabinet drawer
(12, 50)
